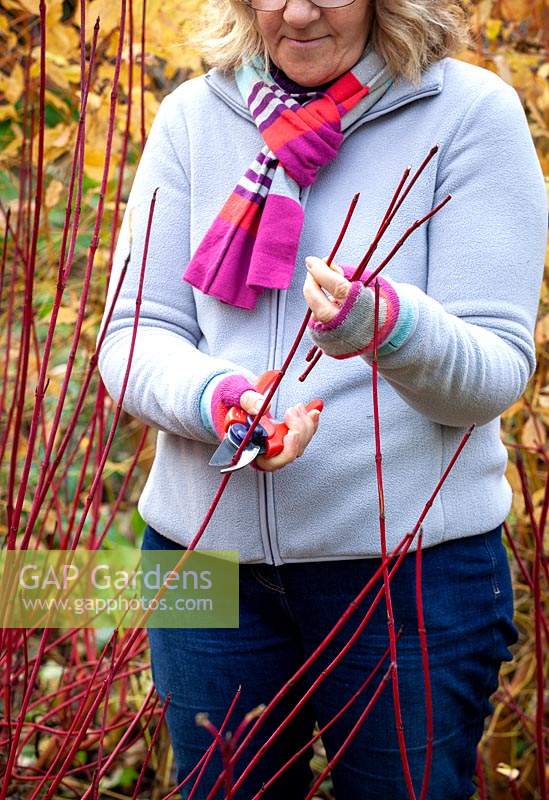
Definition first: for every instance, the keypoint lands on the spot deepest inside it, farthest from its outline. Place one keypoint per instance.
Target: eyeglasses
(278, 5)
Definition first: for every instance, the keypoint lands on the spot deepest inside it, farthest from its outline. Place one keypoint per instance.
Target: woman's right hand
(302, 426)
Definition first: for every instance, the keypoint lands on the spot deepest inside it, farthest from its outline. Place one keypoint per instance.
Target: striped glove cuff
(351, 331)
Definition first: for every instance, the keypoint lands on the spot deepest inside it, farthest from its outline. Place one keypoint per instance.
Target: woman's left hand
(329, 278)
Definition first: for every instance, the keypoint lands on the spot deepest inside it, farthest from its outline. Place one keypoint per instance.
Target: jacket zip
(268, 480)
(268, 477)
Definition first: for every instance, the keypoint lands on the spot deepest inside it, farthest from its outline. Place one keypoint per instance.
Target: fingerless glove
(220, 393)
(351, 331)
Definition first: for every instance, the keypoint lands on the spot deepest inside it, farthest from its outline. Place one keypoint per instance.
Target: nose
(300, 13)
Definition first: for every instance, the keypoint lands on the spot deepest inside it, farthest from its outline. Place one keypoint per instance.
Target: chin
(308, 80)
(299, 73)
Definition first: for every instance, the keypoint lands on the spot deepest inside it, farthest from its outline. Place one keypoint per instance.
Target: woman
(255, 172)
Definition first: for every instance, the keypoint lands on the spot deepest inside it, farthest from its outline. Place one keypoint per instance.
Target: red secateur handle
(276, 431)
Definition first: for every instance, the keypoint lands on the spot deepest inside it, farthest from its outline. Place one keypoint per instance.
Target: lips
(305, 41)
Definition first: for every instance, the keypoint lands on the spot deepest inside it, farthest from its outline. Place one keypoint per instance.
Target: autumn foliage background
(512, 39)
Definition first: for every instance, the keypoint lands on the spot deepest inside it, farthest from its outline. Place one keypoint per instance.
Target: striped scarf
(252, 244)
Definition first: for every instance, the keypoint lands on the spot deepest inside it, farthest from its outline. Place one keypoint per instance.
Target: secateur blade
(223, 455)
(232, 441)
(246, 457)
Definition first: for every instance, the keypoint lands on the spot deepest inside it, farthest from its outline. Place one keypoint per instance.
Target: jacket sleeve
(472, 351)
(169, 369)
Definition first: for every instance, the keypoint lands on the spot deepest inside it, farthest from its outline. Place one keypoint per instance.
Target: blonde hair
(409, 34)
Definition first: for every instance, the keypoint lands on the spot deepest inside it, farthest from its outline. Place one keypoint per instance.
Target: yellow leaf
(7, 112)
(493, 28)
(542, 330)
(53, 193)
(533, 433)
(10, 153)
(67, 315)
(56, 141)
(516, 10)
(32, 6)
(512, 410)
(11, 86)
(512, 475)
(108, 13)
(63, 136)
(482, 11)
(94, 158)
(94, 101)
(56, 58)
(62, 38)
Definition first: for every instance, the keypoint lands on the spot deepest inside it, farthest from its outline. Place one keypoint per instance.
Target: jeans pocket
(496, 568)
(502, 591)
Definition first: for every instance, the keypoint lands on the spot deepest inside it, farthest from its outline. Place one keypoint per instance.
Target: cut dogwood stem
(204, 760)
(405, 542)
(227, 475)
(403, 546)
(525, 574)
(29, 284)
(399, 722)
(352, 733)
(511, 775)
(392, 209)
(154, 737)
(77, 731)
(95, 779)
(538, 618)
(426, 673)
(325, 727)
(480, 778)
(106, 449)
(63, 274)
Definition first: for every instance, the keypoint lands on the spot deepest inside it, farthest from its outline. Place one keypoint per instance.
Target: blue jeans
(286, 611)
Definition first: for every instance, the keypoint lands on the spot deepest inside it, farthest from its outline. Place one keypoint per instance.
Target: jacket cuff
(351, 331)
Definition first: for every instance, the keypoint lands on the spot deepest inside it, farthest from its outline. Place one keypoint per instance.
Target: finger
(252, 401)
(323, 309)
(302, 423)
(334, 265)
(294, 417)
(289, 453)
(333, 281)
(297, 438)
(314, 414)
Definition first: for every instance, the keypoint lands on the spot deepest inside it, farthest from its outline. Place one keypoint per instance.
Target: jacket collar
(399, 93)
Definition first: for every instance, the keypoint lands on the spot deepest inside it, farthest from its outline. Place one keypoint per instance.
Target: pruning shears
(267, 438)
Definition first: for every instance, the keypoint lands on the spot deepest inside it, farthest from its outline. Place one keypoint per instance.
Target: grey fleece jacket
(473, 274)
